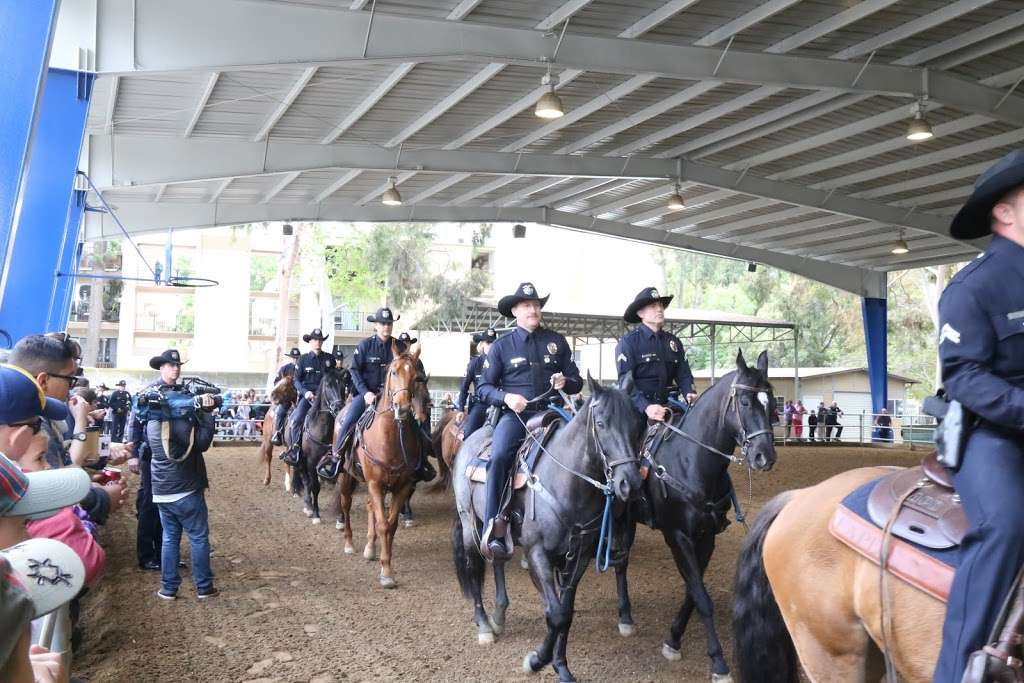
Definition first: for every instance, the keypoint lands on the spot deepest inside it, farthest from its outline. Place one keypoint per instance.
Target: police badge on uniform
(552, 347)
(672, 345)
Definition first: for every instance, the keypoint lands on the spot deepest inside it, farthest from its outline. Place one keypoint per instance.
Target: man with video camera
(172, 425)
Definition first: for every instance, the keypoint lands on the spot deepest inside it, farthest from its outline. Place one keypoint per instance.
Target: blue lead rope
(604, 540)
(561, 411)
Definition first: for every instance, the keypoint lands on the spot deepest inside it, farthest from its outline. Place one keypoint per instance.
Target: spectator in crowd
(832, 421)
(822, 420)
(798, 420)
(178, 477)
(883, 424)
(787, 414)
(812, 424)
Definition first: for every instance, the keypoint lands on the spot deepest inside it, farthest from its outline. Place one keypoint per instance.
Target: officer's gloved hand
(369, 397)
(309, 396)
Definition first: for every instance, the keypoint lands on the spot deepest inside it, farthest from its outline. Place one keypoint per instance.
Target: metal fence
(862, 428)
(233, 427)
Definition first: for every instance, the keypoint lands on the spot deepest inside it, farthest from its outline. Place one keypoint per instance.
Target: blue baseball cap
(21, 398)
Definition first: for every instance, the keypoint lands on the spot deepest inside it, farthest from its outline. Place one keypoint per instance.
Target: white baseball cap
(48, 571)
(38, 495)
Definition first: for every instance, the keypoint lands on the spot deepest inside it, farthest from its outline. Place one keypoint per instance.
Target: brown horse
(446, 442)
(387, 450)
(283, 391)
(801, 593)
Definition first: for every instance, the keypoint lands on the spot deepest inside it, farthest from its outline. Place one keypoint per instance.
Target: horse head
(611, 421)
(283, 391)
(400, 381)
(331, 393)
(752, 398)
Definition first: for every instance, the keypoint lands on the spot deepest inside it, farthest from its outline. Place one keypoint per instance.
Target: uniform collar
(648, 332)
(1014, 252)
(524, 333)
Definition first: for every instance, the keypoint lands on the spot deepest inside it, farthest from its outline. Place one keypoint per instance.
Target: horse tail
(469, 566)
(764, 649)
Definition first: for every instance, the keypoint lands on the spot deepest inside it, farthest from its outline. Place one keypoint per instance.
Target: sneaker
(207, 593)
(165, 594)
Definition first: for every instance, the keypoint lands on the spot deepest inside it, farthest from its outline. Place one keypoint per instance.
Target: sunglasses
(36, 425)
(72, 380)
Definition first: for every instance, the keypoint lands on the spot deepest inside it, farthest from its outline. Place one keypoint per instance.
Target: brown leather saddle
(541, 428)
(929, 511)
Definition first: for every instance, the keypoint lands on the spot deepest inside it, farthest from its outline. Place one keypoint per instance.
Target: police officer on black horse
(526, 365)
(286, 370)
(981, 350)
(309, 370)
(475, 408)
(119, 402)
(370, 362)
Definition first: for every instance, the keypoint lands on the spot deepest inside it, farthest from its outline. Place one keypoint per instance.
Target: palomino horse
(317, 436)
(793, 573)
(283, 391)
(557, 518)
(689, 491)
(386, 450)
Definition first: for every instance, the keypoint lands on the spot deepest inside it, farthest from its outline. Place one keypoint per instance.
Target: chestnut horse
(801, 593)
(446, 443)
(387, 450)
(283, 391)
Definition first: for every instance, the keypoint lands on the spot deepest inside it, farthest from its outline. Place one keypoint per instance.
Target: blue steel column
(876, 340)
(27, 30)
(48, 225)
(70, 257)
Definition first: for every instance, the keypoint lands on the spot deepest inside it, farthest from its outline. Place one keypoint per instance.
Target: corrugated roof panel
(242, 101)
(697, 20)
(154, 104)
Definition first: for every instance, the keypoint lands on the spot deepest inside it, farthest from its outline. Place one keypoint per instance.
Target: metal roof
(783, 120)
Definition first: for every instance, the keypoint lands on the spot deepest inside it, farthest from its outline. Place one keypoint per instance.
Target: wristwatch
(79, 436)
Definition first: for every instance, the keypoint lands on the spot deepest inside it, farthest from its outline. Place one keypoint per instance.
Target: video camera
(198, 386)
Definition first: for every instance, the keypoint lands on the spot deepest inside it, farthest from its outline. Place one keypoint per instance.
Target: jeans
(189, 514)
(117, 428)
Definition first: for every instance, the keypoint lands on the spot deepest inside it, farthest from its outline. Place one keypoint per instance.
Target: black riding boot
(278, 438)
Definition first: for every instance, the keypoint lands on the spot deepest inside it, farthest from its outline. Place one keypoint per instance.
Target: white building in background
(227, 331)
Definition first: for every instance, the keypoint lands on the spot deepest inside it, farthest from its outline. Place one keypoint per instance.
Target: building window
(262, 317)
(895, 406)
(107, 356)
(346, 320)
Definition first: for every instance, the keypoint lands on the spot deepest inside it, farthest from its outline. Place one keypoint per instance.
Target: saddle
(541, 428)
(927, 509)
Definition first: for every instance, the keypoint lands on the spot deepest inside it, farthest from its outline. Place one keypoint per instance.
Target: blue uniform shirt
(523, 363)
(310, 371)
(657, 361)
(981, 335)
(473, 376)
(369, 363)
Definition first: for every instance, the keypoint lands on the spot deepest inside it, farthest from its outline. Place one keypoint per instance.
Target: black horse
(689, 492)
(317, 436)
(557, 517)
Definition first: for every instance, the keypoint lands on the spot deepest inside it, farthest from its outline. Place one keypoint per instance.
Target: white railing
(862, 428)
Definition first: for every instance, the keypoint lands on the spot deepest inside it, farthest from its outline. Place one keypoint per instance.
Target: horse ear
(414, 351)
(595, 387)
(741, 364)
(626, 383)
(762, 363)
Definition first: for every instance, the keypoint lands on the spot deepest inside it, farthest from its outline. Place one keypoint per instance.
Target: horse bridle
(744, 443)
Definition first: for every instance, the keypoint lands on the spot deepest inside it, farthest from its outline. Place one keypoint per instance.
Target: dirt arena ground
(293, 608)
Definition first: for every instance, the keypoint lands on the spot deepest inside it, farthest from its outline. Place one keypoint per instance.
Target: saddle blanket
(926, 569)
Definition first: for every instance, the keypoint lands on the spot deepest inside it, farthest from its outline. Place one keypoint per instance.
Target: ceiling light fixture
(919, 128)
(900, 246)
(675, 200)
(549, 106)
(391, 196)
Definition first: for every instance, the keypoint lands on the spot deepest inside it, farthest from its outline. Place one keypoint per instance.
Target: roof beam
(745, 21)
(519, 195)
(1006, 78)
(582, 111)
(204, 97)
(734, 228)
(462, 92)
(287, 180)
(833, 23)
(586, 190)
(462, 10)
(903, 31)
(282, 107)
(562, 12)
(779, 236)
(960, 41)
(160, 190)
(115, 85)
(336, 184)
(487, 188)
(369, 102)
(218, 190)
(451, 180)
(630, 200)
(687, 223)
(921, 182)
(658, 16)
(383, 187)
(286, 36)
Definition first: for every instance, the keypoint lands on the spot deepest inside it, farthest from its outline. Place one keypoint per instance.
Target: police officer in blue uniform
(475, 408)
(309, 371)
(120, 403)
(981, 350)
(524, 365)
(286, 370)
(655, 357)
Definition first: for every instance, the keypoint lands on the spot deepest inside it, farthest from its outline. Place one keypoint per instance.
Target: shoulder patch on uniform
(947, 333)
(356, 352)
(487, 363)
(621, 358)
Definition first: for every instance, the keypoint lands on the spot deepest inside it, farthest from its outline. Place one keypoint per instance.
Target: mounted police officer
(309, 371)
(119, 402)
(475, 408)
(281, 412)
(655, 357)
(981, 350)
(528, 363)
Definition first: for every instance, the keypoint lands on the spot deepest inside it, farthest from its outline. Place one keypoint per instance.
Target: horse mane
(284, 390)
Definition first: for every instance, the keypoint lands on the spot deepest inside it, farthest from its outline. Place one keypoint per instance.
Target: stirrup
(329, 467)
(493, 547)
(290, 456)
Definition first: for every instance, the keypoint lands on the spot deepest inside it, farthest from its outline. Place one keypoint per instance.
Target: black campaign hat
(645, 297)
(973, 220)
(406, 339)
(337, 351)
(122, 383)
(315, 334)
(168, 356)
(383, 315)
(294, 353)
(488, 335)
(525, 292)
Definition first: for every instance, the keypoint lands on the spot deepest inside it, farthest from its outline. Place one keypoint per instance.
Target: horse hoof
(315, 520)
(627, 630)
(523, 563)
(349, 550)
(528, 663)
(485, 638)
(495, 626)
(670, 653)
(340, 526)
(306, 511)
(387, 582)
(409, 523)
(369, 553)
(721, 678)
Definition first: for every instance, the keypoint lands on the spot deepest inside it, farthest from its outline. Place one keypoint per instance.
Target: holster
(954, 426)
